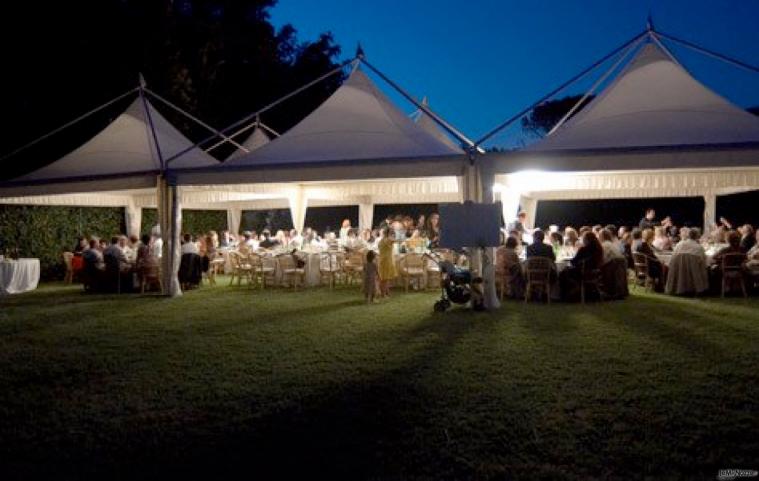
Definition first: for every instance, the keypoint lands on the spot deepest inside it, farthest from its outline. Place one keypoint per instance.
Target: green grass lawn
(317, 385)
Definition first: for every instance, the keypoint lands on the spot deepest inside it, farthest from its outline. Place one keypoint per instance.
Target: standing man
(648, 222)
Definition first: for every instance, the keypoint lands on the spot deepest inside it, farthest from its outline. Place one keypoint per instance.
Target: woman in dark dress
(590, 256)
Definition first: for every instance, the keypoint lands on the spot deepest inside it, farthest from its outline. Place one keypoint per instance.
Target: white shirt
(156, 248)
(189, 248)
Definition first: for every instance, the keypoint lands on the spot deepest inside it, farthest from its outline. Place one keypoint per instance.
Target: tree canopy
(543, 117)
(218, 59)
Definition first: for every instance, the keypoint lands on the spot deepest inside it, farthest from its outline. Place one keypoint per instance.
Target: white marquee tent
(655, 131)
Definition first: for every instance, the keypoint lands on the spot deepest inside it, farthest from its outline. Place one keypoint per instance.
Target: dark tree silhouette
(754, 110)
(217, 59)
(542, 118)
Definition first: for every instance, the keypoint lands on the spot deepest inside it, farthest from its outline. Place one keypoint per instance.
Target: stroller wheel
(441, 306)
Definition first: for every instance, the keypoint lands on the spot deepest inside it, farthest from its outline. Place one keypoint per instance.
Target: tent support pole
(195, 119)
(256, 123)
(152, 128)
(593, 88)
(68, 124)
(438, 120)
(270, 106)
(558, 89)
(710, 53)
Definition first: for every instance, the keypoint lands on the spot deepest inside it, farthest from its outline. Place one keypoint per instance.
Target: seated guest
(352, 241)
(589, 256)
(281, 238)
(143, 253)
(656, 269)
(267, 242)
(415, 241)
(538, 248)
(571, 238)
(368, 239)
(690, 244)
(81, 245)
(661, 241)
(748, 239)
(507, 264)
(557, 243)
(188, 246)
(753, 257)
(610, 250)
(636, 238)
(93, 257)
(115, 252)
(295, 241)
(225, 240)
(130, 247)
(733, 247)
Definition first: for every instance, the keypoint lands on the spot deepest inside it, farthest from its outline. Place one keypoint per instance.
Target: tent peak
(359, 51)
(141, 80)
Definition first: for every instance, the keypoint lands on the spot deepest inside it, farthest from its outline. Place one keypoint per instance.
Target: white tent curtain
(365, 214)
(509, 205)
(710, 210)
(133, 216)
(298, 204)
(234, 218)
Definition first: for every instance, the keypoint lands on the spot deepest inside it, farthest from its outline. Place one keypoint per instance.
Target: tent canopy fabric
(123, 155)
(357, 122)
(653, 102)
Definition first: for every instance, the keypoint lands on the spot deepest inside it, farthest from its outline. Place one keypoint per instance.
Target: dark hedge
(193, 221)
(45, 232)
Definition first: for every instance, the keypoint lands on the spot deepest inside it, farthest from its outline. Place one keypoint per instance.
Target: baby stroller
(456, 284)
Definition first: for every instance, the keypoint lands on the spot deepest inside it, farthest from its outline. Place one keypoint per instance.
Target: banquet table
(17, 276)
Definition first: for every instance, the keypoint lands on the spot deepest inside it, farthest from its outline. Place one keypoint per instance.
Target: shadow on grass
(361, 429)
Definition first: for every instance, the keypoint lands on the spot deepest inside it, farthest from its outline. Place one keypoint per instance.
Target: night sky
(481, 62)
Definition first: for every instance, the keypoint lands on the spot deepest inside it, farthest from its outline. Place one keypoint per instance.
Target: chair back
(589, 273)
(640, 262)
(255, 260)
(355, 260)
(733, 262)
(538, 269)
(286, 262)
(412, 261)
(234, 259)
(330, 261)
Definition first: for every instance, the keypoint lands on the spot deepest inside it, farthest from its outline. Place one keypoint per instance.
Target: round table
(17, 276)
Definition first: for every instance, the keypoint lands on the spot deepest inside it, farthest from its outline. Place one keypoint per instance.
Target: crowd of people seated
(121, 264)
(650, 244)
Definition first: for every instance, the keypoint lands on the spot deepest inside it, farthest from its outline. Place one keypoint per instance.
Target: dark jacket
(539, 249)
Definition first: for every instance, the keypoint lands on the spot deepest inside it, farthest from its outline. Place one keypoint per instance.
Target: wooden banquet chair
(262, 270)
(642, 274)
(150, 275)
(241, 268)
(538, 277)
(412, 267)
(732, 272)
(291, 273)
(330, 266)
(589, 277)
(353, 267)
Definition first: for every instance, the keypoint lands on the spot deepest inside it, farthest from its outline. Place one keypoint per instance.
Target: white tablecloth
(18, 276)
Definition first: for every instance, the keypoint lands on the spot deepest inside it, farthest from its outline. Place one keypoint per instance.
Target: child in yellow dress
(386, 262)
